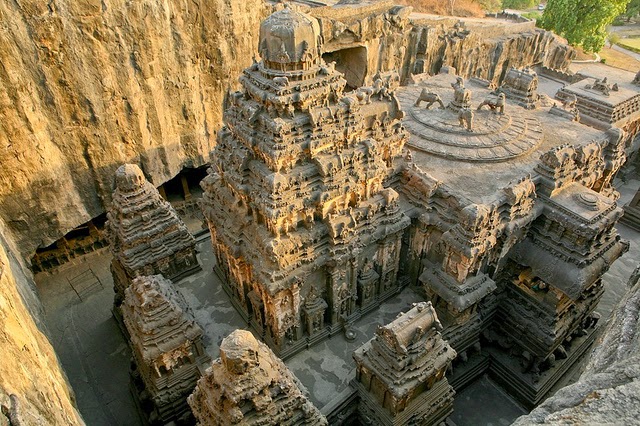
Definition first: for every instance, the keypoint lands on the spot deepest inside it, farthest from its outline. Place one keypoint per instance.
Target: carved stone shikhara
(604, 103)
(400, 373)
(167, 350)
(147, 237)
(521, 86)
(249, 385)
(297, 199)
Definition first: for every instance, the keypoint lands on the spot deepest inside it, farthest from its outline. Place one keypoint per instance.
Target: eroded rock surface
(88, 85)
(33, 387)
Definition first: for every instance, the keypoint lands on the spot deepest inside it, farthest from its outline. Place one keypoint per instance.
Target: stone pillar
(631, 216)
(185, 187)
(162, 191)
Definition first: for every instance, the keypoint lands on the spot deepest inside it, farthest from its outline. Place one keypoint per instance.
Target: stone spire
(400, 372)
(249, 385)
(296, 199)
(147, 237)
(166, 345)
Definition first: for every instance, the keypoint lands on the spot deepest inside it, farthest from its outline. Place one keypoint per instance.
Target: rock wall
(86, 85)
(29, 369)
(396, 39)
(608, 392)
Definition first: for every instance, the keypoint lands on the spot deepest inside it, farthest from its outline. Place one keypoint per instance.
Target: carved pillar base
(531, 389)
(631, 217)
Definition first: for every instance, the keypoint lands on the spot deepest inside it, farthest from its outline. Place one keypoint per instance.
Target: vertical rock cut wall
(86, 85)
(29, 368)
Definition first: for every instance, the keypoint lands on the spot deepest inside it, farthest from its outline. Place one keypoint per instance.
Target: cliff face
(29, 369)
(396, 39)
(86, 85)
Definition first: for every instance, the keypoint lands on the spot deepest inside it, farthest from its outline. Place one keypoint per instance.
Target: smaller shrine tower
(400, 373)
(167, 348)
(249, 385)
(147, 237)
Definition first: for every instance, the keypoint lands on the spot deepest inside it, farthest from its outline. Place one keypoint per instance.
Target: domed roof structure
(289, 40)
(129, 177)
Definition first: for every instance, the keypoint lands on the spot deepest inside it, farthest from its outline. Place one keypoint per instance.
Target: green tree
(582, 22)
(518, 4)
(633, 9)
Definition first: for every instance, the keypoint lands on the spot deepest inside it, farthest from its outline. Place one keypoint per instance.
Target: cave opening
(183, 192)
(352, 62)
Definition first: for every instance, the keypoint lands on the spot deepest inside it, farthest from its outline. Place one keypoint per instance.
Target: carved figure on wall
(495, 103)
(430, 98)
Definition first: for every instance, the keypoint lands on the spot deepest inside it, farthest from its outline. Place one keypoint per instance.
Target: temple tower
(249, 385)
(552, 281)
(167, 348)
(400, 373)
(147, 237)
(297, 199)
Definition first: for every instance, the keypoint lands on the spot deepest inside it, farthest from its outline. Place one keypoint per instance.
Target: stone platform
(494, 137)
(510, 144)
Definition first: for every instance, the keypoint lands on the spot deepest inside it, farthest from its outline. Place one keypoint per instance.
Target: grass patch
(631, 43)
(582, 56)
(532, 15)
(619, 60)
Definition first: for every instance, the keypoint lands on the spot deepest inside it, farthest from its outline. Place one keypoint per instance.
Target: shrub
(518, 4)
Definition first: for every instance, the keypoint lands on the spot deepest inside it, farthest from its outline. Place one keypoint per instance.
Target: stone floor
(485, 403)
(78, 297)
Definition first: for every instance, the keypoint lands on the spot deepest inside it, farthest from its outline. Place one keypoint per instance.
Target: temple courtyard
(78, 299)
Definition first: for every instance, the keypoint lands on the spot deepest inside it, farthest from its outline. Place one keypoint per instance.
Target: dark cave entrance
(183, 192)
(352, 62)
